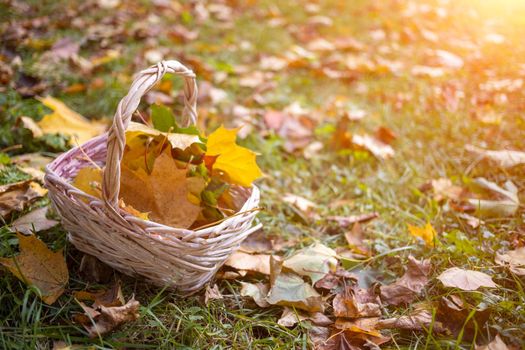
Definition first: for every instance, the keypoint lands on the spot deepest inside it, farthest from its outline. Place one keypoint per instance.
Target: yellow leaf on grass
(65, 121)
(238, 163)
(39, 266)
(164, 193)
(427, 233)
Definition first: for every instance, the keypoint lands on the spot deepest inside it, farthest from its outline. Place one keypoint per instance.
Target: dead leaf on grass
(506, 201)
(249, 262)
(356, 302)
(427, 233)
(289, 289)
(514, 259)
(346, 221)
(466, 279)
(419, 319)
(408, 287)
(496, 344)
(379, 149)
(290, 318)
(39, 266)
(17, 196)
(257, 291)
(504, 158)
(212, 293)
(315, 262)
(34, 221)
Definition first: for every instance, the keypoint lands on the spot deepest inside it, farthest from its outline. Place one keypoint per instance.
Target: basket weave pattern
(179, 258)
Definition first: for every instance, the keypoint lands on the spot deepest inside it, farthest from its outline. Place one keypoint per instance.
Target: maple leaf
(427, 233)
(65, 121)
(237, 163)
(165, 193)
(39, 266)
(408, 287)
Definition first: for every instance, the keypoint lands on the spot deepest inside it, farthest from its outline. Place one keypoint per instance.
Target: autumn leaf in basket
(175, 176)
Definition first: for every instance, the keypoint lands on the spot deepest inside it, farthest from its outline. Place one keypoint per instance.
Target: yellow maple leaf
(427, 233)
(39, 266)
(65, 121)
(238, 163)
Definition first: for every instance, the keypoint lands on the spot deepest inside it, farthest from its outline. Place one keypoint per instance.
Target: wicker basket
(178, 258)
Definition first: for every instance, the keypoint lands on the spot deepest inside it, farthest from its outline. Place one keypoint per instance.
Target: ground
(256, 58)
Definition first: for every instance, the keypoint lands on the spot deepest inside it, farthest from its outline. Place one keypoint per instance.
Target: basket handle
(142, 83)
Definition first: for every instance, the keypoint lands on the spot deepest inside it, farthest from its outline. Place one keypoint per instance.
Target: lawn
(419, 80)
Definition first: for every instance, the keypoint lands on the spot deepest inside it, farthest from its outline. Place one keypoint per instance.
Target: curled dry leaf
(315, 262)
(419, 319)
(408, 287)
(257, 291)
(354, 238)
(39, 266)
(466, 279)
(356, 302)
(290, 318)
(249, 262)
(443, 188)
(379, 149)
(35, 221)
(103, 320)
(212, 293)
(17, 196)
(32, 164)
(504, 158)
(506, 203)
(357, 334)
(65, 121)
(515, 259)
(289, 289)
(305, 206)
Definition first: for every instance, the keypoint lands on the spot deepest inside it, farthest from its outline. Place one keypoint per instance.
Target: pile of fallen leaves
(174, 175)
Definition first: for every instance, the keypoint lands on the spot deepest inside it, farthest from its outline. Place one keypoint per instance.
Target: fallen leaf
(465, 279)
(506, 203)
(443, 188)
(32, 164)
(257, 291)
(353, 335)
(31, 125)
(17, 196)
(289, 289)
(496, 344)
(250, 262)
(515, 259)
(379, 149)
(305, 206)
(315, 262)
(35, 221)
(257, 242)
(177, 140)
(504, 158)
(65, 121)
(419, 319)
(407, 288)
(237, 163)
(356, 302)
(385, 135)
(103, 320)
(212, 293)
(164, 193)
(427, 233)
(89, 180)
(354, 238)
(290, 318)
(345, 221)
(39, 266)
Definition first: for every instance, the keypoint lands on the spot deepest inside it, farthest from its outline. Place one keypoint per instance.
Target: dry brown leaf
(290, 318)
(249, 262)
(385, 135)
(39, 266)
(354, 335)
(163, 193)
(34, 221)
(30, 124)
(408, 287)
(379, 149)
(419, 319)
(515, 259)
(356, 302)
(104, 319)
(355, 237)
(505, 203)
(32, 164)
(289, 289)
(257, 291)
(504, 158)
(315, 262)
(257, 242)
(443, 188)
(17, 196)
(466, 279)
(212, 293)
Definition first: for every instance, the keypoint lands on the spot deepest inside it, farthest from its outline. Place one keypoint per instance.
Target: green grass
(430, 145)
